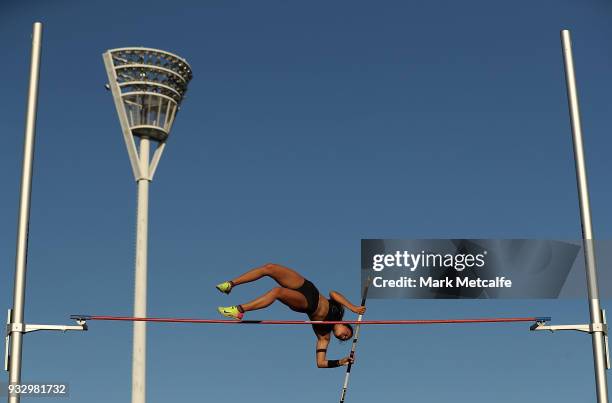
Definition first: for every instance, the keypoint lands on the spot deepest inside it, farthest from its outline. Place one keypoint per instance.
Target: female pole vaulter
(300, 295)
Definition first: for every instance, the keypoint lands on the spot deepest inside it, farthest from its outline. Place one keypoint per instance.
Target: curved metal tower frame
(148, 86)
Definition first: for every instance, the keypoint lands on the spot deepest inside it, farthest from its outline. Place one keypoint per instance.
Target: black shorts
(310, 292)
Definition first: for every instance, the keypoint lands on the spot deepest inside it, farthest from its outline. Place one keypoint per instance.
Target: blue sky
(307, 126)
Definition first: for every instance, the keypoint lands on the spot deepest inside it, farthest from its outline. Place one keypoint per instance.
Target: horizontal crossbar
(538, 319)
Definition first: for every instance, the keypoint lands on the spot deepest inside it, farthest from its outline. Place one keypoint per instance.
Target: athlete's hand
(346, 361)
(359, 310)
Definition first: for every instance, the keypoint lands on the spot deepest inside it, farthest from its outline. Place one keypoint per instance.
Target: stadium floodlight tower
(148, 86)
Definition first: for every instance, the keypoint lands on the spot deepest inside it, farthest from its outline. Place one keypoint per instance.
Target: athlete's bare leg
(284, 276)
(293, 299)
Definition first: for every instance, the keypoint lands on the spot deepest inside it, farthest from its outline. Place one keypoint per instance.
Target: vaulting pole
(16, 319)
(599, 355)
(354, 346)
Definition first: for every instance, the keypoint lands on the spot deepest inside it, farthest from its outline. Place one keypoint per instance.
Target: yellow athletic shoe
(231, 312)
(225, 287)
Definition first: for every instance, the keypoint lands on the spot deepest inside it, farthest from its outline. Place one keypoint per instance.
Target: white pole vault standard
(597, 324)
(17, 314)
(15, 324)
(354, 346)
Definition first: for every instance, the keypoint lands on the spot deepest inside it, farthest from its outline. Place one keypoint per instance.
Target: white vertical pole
(139, 352)
(16, 337)
(599, 356)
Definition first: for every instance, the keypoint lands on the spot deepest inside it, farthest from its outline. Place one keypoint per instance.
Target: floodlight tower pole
(597, 324)
(16, 336)
(139, 353)
(147, 86)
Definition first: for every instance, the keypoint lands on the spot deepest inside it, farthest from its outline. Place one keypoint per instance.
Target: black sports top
(335, 312)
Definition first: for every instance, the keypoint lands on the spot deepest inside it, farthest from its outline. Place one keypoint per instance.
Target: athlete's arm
(336, 296)
(322, 361)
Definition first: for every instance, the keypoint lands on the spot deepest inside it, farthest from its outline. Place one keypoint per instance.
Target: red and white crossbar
(84, 318)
